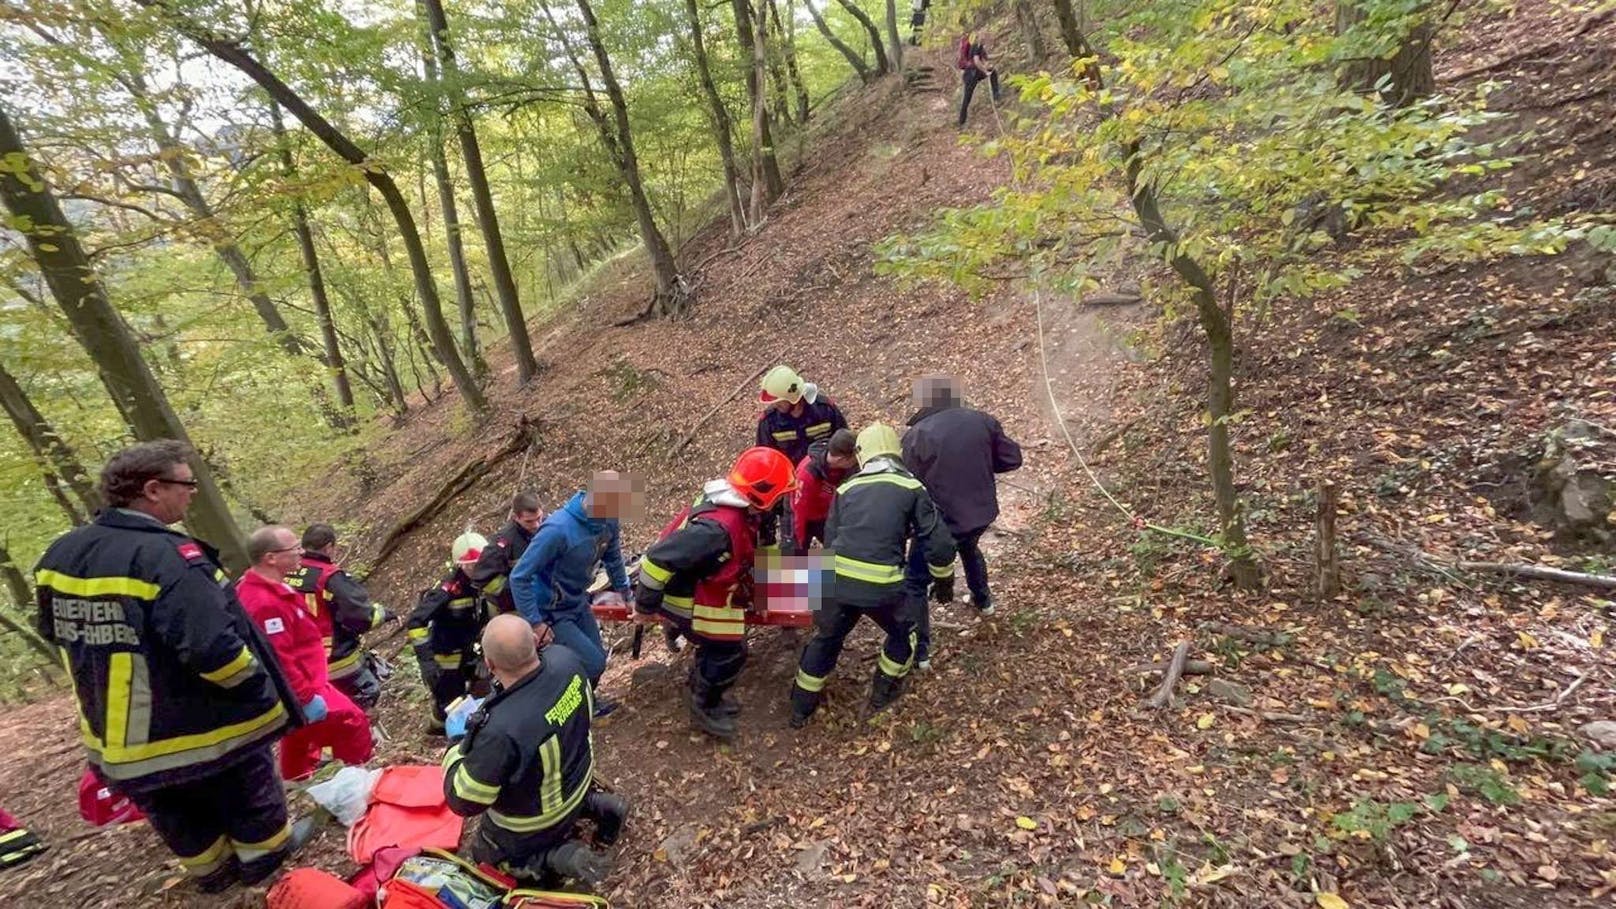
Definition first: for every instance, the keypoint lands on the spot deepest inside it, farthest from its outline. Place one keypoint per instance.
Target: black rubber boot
(221, 878)
(706, 709)
(804, 703)
(579, 862)
(610, 813)
(259, 870)
(883, 691)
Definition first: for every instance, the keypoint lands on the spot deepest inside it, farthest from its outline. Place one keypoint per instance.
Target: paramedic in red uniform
(332, 719)
(828, 463)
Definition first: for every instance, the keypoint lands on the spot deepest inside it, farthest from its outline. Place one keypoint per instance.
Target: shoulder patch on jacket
(274, 626)
(190, 551)
(450, 586)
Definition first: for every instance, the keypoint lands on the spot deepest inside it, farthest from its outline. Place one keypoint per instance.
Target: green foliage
(1373, 820)
(1485, 781)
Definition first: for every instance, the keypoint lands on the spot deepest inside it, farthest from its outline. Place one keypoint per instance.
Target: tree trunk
(483, 199)
(786, 36)
(1027, 18)
(892, 36)
(761, 196)
(311, 267)
(780, 110)
(765, 161)
(451, 213)
(376, 174)
(1411, 77)
(1071, 30)
(671, 294)
(55, 456)
(55, 246)
(853, 58)
(881, 65)
(719, 117)
(18, 588)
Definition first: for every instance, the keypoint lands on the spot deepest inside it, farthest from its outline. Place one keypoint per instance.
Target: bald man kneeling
(527, 762)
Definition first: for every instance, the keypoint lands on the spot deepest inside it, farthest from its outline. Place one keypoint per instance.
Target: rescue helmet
(468, 548)
(781, 383)
(877, 440)
(761, 476)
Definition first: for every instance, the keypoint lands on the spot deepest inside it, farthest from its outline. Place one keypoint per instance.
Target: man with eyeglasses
(180, 697)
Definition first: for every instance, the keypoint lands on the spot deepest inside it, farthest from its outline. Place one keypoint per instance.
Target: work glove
(942, 589)
(430, 671)
(315, 710)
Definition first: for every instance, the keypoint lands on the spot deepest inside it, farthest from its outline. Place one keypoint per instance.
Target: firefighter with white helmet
(795, 416)
(443, 630)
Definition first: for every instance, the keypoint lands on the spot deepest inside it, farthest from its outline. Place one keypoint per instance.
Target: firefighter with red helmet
(698, 577)
(342, 610)
(443, 630)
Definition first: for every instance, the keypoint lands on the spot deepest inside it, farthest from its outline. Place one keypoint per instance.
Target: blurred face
(286, 555)
(615, 496)
(167, 497)
(781, 405)
(528, 520)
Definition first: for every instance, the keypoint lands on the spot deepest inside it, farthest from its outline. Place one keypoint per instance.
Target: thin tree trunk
(376, 174)
(892, 35)
(786, 37)
(54, 243)
(23, 596)
(718, 116)
(451, 212)
(882, 67)
(55, 456)
(1071, 30)
(1027, 18)
(774, 186)
(780, 110)
(510, 306)
(311, 267)
(1409, 68)
(854, 59)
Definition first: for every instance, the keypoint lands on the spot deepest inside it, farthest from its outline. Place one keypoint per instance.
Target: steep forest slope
(1410, 742)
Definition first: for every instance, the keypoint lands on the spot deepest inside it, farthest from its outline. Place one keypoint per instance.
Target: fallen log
(1260, 636)
(1164, 695)
(1541, 573)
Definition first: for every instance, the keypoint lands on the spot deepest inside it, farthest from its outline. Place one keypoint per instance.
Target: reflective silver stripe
(138, 732)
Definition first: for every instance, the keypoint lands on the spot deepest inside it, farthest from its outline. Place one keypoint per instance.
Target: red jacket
(278, 610)
(816, 489)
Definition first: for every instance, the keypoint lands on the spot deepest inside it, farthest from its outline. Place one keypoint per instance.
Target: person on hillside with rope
(443, 631)
(698, 576)
(491, 575)
(974, 69)
(342, 610)
(876, 514)
(795, 416)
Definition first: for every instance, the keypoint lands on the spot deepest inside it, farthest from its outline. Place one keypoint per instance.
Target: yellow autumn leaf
(1422, 731)
(1026, 823)
(1331, 901)
(1429, 519)
(1117, 866)
(1205, 721)
(1516, 724)
(1597, 639)
(1527, 642)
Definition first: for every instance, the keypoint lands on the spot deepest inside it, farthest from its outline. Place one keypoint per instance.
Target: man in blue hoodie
(550, 582)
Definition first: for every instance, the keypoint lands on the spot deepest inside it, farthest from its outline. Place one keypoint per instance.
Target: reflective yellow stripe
(810, 682)
(720, 613)
(785, 436)
(887, 666)
(492, 588)
(351, 661)
(552, 814)
(896, 479)
(119, 675)
(711, 628)
(469, 788)
(818, 429)
(96, 587)
(248, 852)
(234, 672)
(462, 604)
(419, 634)
(447, 660)
(941, 571)
(654, 573)
(550, 757)
(868, 571)
(123, 762)
(208, 860)
(378, 615)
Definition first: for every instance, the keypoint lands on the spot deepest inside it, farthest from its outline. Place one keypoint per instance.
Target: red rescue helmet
(762, 475)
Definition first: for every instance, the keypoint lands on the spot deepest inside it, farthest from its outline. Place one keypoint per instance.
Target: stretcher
(783, 597)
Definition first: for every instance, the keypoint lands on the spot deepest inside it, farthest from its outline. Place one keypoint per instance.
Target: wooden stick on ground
(1164, 695)
(691, 435)
(1191, 667)
(1540, 573)
(1326, 556)
(1548, 705)
(1260, 636)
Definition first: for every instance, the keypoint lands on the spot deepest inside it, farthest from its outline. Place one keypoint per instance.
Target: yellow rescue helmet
(468, 548)
(876, 440)
(781, 383)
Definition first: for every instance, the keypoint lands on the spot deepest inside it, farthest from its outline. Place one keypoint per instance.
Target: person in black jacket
(795, 416)
(491, 576)
(876, 513)
(180, 696)
(443, 631)
(955, 451)
(526, 763)
(343, 610)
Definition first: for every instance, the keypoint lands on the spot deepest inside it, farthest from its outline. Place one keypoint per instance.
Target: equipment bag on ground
(552, 899)
(452, 880)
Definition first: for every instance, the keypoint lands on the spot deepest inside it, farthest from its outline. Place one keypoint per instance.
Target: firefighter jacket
(278, 611)
(554, 574)
(491, 575)
(527, 757)
(956, 451)
(700, 569)
(792, 435)
(875, 515)
(174, 682)
(446, 620)
(341, 608)
(816, 488)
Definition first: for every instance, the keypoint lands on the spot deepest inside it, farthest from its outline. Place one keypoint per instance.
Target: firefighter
(527, 761)
(491, 575)
(795, 416)
(551, 580)
(698, 576)
(876, 514)
(180, 698)
(332, 719)
(443, 631)
(827, 464)
(342, 610)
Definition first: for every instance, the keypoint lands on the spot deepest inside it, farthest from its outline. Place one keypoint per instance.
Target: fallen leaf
(1331, 901)
(1026, 823)
(1205, 721)
(1117, 866)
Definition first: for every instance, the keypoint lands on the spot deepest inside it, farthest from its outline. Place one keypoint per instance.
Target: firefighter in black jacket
(491, 576)
(443, 631)
(876, 513)
(179, 696)
(527, 761)
(795, 416)
(342, 610)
